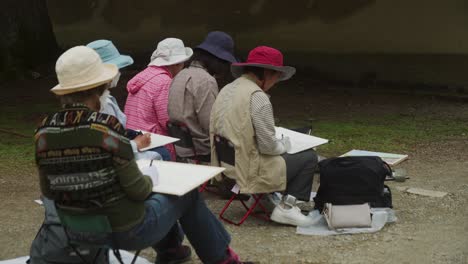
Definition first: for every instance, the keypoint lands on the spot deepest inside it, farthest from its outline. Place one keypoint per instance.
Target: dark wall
(420, 40)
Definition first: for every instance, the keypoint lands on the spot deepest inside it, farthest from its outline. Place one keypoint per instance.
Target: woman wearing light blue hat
(109, 54)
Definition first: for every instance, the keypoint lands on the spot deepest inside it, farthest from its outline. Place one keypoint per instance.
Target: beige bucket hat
(170, 51)
(80, 68)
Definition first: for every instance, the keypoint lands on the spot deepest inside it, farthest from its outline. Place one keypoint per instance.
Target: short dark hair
(259, 72)
(215, 66)
(80, 97)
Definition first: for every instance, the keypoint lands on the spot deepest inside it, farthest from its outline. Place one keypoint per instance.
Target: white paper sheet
(151, 171)
(390, 158)
(299, 141)
(424, 192)
(158, 140)
(180, 178)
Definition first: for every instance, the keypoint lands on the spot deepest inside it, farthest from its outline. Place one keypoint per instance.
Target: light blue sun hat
(109, 53)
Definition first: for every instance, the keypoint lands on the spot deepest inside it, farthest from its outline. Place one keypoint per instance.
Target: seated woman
(148, 91)
(243, 114)
(194, 90)
(87, 167)
(109, 54)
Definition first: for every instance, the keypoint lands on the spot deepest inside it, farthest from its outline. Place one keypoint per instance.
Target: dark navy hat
(220, 45)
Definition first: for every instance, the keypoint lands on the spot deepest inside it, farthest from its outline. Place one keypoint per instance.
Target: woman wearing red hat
(243, 114)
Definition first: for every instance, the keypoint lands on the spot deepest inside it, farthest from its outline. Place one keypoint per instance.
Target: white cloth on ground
(126, 257)
(380, 216)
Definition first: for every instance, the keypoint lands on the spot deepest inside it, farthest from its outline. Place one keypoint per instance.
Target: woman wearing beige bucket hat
(148, 91)
(86, 166)
(80, 70)
(260, 151)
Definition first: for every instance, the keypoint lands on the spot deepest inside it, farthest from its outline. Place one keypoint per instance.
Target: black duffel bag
(354, 180)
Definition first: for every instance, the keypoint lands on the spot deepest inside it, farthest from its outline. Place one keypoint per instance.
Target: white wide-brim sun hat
(170, 51)
(80, 68)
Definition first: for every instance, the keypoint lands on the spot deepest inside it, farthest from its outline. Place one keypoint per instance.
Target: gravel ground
(428, 230)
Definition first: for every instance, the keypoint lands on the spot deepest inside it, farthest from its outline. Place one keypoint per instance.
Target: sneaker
(177, 255)
(287, 212)
(290, 216)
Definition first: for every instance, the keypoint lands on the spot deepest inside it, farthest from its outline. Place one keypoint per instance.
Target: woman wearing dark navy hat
(194, 90)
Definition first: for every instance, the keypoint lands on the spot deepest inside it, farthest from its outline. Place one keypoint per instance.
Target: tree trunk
(26, 38)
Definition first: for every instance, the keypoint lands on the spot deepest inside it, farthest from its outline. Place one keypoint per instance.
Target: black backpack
(354, 180)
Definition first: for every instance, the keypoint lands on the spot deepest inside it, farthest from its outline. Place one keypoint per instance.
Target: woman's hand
(142, 141)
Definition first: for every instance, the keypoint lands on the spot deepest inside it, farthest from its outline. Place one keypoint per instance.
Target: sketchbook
(180, 178)
(158, 140)
(299, 141)
(390, 158)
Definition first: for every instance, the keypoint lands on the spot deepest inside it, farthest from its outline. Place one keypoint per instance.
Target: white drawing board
(390, 158)
(158, 140)
(180, 178)
(299, 141)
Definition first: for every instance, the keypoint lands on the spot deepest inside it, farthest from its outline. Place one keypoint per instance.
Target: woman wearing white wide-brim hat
(86, 165)
(148, 91)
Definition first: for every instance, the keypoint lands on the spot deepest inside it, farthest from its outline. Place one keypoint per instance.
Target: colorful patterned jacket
(86, 165)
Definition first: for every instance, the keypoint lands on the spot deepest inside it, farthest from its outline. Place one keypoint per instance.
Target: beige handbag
(347, 216)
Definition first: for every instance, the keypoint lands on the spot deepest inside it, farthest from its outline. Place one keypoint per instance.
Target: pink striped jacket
(146, 106)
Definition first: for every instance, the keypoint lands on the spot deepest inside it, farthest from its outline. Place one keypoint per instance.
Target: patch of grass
(14, 122)
(392, 133)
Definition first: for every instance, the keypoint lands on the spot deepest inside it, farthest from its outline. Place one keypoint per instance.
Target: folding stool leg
(135, 257)
(264, 214)
(250, 209)
(118, 256)
(226, 207)
(203, 187)
(97, 255)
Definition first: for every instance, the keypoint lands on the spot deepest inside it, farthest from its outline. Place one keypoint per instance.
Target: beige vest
(231, 118)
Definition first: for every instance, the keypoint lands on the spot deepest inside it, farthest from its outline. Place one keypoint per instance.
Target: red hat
(264, 57)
